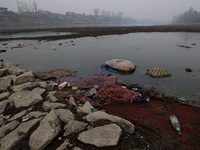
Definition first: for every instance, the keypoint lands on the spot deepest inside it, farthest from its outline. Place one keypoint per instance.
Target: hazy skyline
(162, 10)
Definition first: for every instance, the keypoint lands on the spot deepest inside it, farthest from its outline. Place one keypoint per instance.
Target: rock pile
(33, 118)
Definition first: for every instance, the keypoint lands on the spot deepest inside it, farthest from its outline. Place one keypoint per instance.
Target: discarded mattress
(157, 72)
(120, 65)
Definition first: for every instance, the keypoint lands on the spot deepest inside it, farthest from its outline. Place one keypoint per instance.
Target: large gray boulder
(125, 124)
(26, 98)
(7, 128)
(8, 64)
(24, 86)
(74, 126)
(64, 145)
(6, 81)
(26, 77)
(37, 114)
(107, 135)
(2, 71)
(51, 96)
(48, 129)
(3, 105)
(10, 140)
(48, 105)
(86, 108)
(64, 115)
(18, 115)
(4, 95)
(14, 70)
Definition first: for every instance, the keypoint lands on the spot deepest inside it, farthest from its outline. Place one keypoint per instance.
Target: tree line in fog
(189, 16)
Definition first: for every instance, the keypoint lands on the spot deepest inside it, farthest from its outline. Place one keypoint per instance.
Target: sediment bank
(99, 31)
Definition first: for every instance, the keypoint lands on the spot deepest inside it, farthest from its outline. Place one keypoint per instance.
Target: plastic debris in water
(157, 72)
(183, 99)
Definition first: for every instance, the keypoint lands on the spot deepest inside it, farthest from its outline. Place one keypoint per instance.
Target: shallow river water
(145, 50)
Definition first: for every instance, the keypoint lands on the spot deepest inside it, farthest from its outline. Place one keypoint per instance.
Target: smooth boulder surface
(48, 129)
(107, 135)
(120, 64)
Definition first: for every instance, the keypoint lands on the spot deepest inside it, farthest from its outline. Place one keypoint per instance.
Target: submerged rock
(188, 70)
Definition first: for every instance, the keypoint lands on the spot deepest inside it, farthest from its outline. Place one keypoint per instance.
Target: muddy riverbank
(99, 31)
(32, 109)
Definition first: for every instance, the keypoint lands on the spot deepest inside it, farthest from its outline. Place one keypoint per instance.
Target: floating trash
(120, 65)
(157, 72)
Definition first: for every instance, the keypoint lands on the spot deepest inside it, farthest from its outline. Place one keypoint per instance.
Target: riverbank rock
(26, 77)
(10, 140)
(107, 135)
(74, 126)
(99, 115)
(48, 129)
(8, 127)
(86, 108)
(3, 105)
(25, 98)
(51, 74)
(48, 105)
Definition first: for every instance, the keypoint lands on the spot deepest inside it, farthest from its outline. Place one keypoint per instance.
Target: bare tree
(96, 12)
(35, 7)
(27, 7)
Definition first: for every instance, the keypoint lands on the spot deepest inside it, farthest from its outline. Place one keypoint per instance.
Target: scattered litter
(157, 72)
(175, 123)
(25, 118)
(103, 68)
(62, 85)
(74, 88)
(18, 46)
(184, 46)
(92, 93)
(182, 99)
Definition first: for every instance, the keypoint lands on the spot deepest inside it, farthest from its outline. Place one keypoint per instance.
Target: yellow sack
(157, 72)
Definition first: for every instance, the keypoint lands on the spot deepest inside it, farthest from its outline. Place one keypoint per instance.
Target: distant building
(2, 9)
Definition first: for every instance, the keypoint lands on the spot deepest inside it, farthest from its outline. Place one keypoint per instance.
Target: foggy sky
(139, 9)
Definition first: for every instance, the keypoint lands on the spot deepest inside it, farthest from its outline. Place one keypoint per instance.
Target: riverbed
(173, 51)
